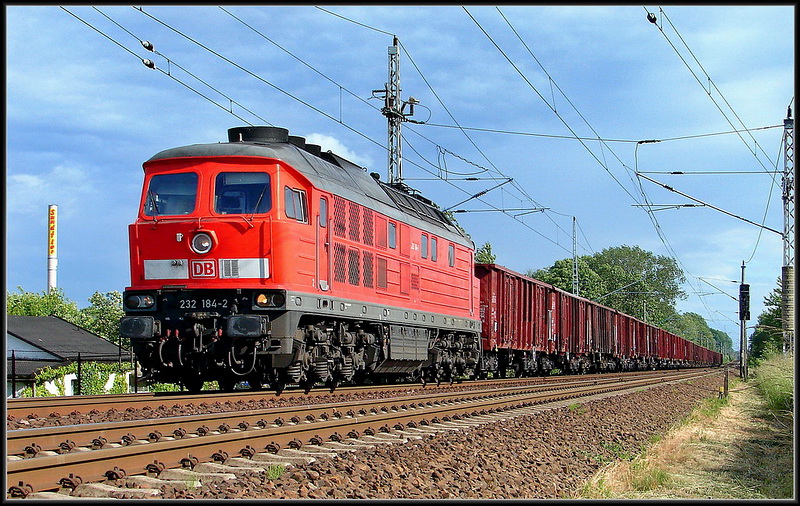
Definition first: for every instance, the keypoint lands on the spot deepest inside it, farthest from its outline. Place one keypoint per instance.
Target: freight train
(265, 260)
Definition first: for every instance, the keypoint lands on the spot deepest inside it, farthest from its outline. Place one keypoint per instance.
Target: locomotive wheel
(254, 380)
(192, 382)
(278, 381)
(306, 385)
(332, 384)
(227, 383)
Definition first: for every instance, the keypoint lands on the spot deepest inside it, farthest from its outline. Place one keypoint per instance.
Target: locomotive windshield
(171, 194)
(242, 193)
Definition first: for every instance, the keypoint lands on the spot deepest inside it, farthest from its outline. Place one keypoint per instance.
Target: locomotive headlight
(145, 301)
(202, 243)
(270, 299)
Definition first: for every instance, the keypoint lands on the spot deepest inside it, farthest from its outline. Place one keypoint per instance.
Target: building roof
(62, 338)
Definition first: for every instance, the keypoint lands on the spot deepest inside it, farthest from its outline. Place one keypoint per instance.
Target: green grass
(774, 378)
(698, 458)
(275, 471)
(577, 408)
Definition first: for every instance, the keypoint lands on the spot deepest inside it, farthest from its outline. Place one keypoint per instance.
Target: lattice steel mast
(787, 271)
(393, 109)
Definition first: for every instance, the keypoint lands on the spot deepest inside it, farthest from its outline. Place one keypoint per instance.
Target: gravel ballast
(542, 456)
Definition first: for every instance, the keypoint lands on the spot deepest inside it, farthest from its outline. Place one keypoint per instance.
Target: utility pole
(574, 258)
(744, 315)
(394, 110)
(787, 271)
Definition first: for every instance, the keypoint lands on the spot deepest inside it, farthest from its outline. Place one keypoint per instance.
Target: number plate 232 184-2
(203, 304)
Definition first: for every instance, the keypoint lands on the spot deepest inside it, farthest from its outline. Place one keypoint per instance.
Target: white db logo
(204, 269)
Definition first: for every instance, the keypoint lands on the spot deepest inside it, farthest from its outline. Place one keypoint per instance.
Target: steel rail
(28, 442)
(45, 406)
(47, 473)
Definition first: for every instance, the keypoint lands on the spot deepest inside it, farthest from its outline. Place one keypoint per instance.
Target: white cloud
(29, 194)
(329, 143)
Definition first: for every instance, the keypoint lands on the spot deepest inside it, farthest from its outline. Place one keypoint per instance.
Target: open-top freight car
(532, 327)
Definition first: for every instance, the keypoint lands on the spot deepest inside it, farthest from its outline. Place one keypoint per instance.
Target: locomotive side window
(295, 204)
(424, 246)
(171, 194)
(434, 255)
(323, 212)
(451, 255)
(242, 193)
(392, 235)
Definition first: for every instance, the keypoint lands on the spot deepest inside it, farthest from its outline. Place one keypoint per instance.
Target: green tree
(768, 336)
(103, 315)
(54, 303)
(639, 283)
(626, 278)
(590, 284)
(484, 254)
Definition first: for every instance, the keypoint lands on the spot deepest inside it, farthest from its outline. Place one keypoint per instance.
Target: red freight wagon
(531, 327)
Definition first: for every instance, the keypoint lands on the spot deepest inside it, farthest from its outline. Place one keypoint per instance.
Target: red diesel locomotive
(265, 260)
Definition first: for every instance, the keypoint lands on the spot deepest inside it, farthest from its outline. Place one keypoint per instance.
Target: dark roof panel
(334, 174)
(60, 337)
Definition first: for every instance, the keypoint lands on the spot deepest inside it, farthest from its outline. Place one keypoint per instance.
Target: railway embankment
(739, 448)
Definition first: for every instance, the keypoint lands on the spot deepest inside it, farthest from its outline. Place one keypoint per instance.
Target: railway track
(54, 407)
(82, 459)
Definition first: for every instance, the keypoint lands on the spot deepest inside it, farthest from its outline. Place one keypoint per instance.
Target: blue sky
(555, 97)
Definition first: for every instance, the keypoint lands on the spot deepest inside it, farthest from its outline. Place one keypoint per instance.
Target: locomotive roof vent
(258, 134)
(298, 141)
(314, 149)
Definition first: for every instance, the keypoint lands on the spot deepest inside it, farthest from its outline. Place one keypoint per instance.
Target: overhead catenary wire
(465, 128)
(652, 217)
(708, 92)
(711, 83)
(441, 102)
(654, 220)
(148, 63)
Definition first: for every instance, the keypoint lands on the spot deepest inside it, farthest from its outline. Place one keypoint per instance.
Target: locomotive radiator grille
(353, 270)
